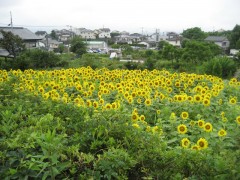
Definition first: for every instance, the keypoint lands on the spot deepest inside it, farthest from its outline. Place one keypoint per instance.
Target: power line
(22, 25)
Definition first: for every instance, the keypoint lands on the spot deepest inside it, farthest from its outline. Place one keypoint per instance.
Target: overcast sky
(129, 15)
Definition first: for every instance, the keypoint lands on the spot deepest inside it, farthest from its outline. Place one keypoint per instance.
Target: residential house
(104, 33)
(221, 41)
(123, 39)
(146, 44)
(85, 33)
(174, 39)
(29, 38)
(149, 44)
(156, 37)
(50, 44)
(136, 37)
(64, 35)
(129, 39)
(153, 37)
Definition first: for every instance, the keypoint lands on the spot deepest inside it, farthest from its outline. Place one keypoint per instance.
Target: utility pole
(157, 35)
(11, 23)
(142, 30)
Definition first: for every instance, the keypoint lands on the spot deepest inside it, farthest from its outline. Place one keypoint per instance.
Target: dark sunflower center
(182, 128)
(201, 144)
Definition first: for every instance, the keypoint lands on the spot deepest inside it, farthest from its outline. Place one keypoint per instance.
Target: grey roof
(136, 35)
(216, 38)
(86, 31)
(23, 33)
(105, 29)
(50, 41)
(41, 33)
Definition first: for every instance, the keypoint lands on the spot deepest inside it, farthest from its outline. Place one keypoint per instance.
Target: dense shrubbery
(223, 67)
(34, 59)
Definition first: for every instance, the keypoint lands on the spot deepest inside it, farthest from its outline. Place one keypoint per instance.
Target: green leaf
(12, 171)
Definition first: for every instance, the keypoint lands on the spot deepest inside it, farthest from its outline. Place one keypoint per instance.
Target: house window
(224, 44)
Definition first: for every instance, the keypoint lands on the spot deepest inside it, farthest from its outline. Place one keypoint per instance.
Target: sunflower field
(118, 124)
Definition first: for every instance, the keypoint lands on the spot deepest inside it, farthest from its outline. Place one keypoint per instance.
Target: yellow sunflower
(135, 125)
(208, 127)
(148, 102)
(142, 118)
(197, 98)
(101, 101)
(201, 123)
(206, 102)
(135, 116)
(185, 142)
(108, 106)
(233, 100)
(139, 100)
(89, 103)
(182, 129)
(114, 105)
(238, 120)
(192, 123)
(184, 115)
(222, 132)
(158, 111)
(95, 104)
(202, 143)
(195, 147)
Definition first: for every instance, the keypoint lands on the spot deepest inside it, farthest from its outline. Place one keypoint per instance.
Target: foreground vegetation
(119, 124)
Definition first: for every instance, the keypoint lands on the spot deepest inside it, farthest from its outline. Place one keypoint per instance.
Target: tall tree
(78, 46)
(235, 37)
(53, 35)
(161, 44)
(194, 34)
(12, 43)
(196, 51)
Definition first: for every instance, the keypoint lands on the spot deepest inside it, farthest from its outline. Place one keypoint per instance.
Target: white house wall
(174, 43)
(104, 35)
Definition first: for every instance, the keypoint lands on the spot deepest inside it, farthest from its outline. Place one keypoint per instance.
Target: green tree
(235, 37)
(12, 43)
(126, 49)
(38, 58)
(53, 35)
(149, 53)
(116, 46)
(194, 34)
(237, 44)
(171, 52)
(215, 49)
(149, 63)
(168, 52)
(78, 46)
(196, 51)
(161, 44)
(61, 48)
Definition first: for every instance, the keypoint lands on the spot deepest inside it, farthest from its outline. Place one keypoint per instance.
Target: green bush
(114, 164)
(223, 67)
(35, 59)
